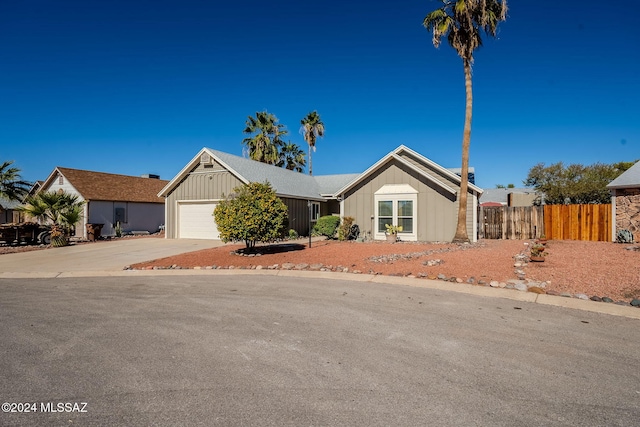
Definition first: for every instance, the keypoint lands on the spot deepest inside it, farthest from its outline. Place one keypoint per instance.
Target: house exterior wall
(436, 215)
(80, 228)
(210, 182)
(627, 212)
(137, 216)
(298, 213)
(213, 183)
(472, 199)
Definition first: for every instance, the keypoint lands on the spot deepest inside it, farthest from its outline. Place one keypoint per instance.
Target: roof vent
(205, 159)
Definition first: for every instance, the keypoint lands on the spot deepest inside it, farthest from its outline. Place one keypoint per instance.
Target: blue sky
(135, 87)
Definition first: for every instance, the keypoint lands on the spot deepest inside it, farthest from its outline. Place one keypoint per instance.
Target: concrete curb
(483, 291)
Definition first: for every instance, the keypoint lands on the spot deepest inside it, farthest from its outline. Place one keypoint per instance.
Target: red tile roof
(112, 187)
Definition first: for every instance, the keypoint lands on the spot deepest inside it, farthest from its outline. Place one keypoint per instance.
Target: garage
(195, 221)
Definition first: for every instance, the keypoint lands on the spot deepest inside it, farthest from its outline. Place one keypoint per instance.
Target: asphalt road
(286, 351)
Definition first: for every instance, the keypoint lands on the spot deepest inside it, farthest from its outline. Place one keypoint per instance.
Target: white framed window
(396, 204)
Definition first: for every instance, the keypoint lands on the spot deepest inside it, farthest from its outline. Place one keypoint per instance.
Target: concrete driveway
(97, 257)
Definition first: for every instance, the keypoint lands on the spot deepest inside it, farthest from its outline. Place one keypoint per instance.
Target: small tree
(253, 213)
(61, 210)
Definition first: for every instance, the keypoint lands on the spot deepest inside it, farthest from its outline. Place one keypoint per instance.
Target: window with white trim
(396, 204)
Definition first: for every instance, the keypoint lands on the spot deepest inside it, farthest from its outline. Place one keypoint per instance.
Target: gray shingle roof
(283, 181)
(9, 204)
(330, 184)
(630, 178)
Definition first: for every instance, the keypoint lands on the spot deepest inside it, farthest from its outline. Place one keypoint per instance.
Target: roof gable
(395, 155)
(284, 182)
(628, 179)
(109, 187)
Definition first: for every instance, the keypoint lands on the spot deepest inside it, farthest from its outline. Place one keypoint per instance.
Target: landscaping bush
(252, 214)
(326, 226)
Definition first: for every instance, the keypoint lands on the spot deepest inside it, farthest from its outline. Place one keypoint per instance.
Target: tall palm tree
(12, 187)
(462, 22)
(312, 128)
(292, 157)
(265, 142)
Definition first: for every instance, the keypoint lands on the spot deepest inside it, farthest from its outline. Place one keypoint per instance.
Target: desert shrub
(252, 214)
(345, 227)
(326, 226)
(293, 234)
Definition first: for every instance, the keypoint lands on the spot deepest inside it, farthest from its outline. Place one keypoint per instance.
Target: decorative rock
(197, 267)
(536, 290)
(453, 279)
(606, 299)
(494, 284)
(482, 282)
(301, 266)
(554, 293)
(459, 280)
(315, 266)
(442, 277)
(520, 287)
(471, 280)
(288, 266)
(596, 298)
(258, 267)
(635, 302)
(582, 296)
(622, 303)
(565, 294)
(518, 264)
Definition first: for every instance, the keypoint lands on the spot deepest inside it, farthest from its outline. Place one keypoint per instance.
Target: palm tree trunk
(310, 171)
(461, 229)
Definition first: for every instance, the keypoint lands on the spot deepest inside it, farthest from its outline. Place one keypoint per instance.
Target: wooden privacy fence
(578, 222)
(559, 222)
(513, 223)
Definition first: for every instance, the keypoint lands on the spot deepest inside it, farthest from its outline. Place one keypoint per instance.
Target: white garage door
(195, 221)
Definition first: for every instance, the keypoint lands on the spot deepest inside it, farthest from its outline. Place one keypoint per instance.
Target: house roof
(501, 195)
(110, 187)
(8, 204)
(628, 179)
(284, 182)
(298, 185)
(395, 155)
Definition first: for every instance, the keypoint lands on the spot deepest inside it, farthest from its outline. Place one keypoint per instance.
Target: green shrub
(293, 234)
(345, 227)
(326, 226)
(252, 214)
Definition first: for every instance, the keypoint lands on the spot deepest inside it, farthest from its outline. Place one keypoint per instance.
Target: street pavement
(276, 350)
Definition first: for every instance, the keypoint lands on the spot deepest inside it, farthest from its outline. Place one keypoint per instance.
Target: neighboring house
(8, 212)
(130, 200)
(508, 197)
(625, 201)
(403, 188)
